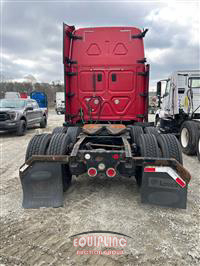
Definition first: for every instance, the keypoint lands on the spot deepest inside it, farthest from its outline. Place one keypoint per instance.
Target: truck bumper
(8, 125)
(164, 182)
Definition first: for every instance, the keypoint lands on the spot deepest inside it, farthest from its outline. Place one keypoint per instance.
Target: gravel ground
(160, 236)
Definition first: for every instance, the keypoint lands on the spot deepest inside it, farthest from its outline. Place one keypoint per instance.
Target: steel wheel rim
(184, 137)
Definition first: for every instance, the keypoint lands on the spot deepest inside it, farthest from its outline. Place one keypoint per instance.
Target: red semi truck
(106, 129)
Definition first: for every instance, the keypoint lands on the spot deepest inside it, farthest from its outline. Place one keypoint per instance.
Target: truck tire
(43, 123)
(22, 127)
(59, 146)
(73, 133)
(151, 130)
(170, 147)
(58, 130)
(38, 145)
(135, 131)
(188, 137)
(148, 148)
(198, 147)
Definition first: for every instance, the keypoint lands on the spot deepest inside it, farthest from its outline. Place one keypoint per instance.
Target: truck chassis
(102, 149)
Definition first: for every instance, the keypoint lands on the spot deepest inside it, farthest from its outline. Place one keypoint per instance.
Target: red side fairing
(109, 83)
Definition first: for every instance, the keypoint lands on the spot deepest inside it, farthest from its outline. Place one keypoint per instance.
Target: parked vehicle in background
(41, 99)
(23, 95)
(11, 94)
(179, 111)
(151, 109)
(19, 114)
(60, 103)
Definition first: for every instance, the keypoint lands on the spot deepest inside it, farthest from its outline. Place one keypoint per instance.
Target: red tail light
(111, 172)
(180, 182)
(148, 169)
(115, 156)
(92, 172)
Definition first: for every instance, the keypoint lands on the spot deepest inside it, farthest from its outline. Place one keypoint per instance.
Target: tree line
(49, 89)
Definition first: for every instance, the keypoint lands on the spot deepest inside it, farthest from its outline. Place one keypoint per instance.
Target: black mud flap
(42, 184)
(161, 189)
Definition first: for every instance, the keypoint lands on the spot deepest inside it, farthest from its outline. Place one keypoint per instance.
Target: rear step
(164, 181)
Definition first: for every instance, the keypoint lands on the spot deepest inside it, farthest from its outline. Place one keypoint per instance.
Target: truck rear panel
(106, 78)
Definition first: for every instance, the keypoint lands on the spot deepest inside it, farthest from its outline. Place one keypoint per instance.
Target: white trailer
(179, 113)
(60, 103)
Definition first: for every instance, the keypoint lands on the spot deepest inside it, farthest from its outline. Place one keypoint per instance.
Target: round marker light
(111, 172)
(101, 166)
(96, 101)
(116, 101)
(87, 156)
(115, 156)
(92, 172)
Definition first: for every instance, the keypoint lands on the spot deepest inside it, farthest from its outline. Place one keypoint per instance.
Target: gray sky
(31, 33)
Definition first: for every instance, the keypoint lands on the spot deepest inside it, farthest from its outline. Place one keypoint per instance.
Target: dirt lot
(160, 236)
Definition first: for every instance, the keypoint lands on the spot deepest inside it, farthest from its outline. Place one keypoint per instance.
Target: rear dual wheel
(148, 148)
(59, 145)
(135, 132)
(170, 147)
(38, 145)
(57, 130)
(168, 144)
(158, 146)
(151, 130)
(72, 132)
(47, 144)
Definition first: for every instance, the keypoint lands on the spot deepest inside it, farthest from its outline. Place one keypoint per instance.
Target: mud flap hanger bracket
(162, 162)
